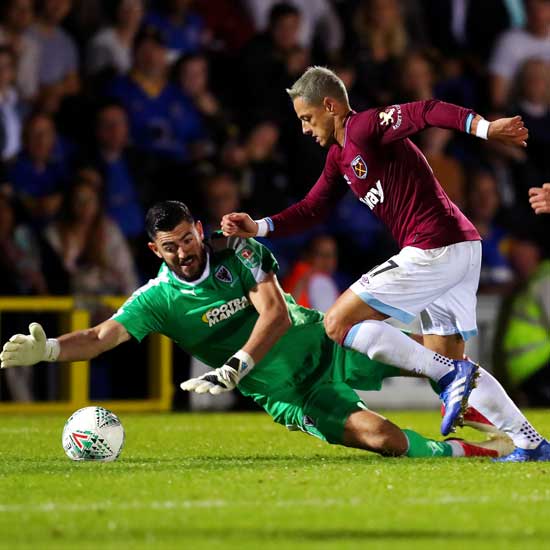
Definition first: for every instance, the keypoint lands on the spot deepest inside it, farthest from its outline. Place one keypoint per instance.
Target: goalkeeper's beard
(192, 271)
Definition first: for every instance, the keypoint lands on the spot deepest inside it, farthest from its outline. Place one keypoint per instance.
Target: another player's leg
(372, 432)
(333, 411)
(357, 325)
(492, 404)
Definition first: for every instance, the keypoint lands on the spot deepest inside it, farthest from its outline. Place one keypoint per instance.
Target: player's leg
(401, 288)
(386, 344)
(333, 411)
(451, 346)
(453, 311)
(372, 432)
(490, 400)
(356, 325)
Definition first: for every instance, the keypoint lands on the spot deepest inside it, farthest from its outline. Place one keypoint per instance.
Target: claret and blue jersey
(390, 175)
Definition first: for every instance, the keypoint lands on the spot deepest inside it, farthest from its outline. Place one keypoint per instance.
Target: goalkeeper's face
(182, 249)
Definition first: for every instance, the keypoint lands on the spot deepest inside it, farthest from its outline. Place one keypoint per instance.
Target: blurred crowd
(107, 106)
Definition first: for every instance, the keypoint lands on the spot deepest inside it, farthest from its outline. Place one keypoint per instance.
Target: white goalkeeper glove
(23, 350)
(223, 379)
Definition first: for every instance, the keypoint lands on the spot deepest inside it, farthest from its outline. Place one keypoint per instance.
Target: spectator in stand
(462, 29)
(125, 171)
(39, 172)
(532, 102)
(381, 39)
(229, 24)
(160, 122)
(483, 204)
(20, 270)
(270, 62)
(347, 71)
(515, 46)
(16, 18)
(182, 28)
(202, 105)
(10, 108)
(416, 77)
(425, 75)
(319, 22)
(531, 99)
(221, 196)
(90, 245)
(540, 199)
(259, 167)
(59, 64)
(20, 274)
(110, 49)
(524, 345)
(310, 280)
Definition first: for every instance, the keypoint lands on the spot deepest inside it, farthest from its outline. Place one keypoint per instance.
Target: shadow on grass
(325, 535)
(288, 536)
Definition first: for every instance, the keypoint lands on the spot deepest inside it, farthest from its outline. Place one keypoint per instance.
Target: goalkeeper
(221, 302)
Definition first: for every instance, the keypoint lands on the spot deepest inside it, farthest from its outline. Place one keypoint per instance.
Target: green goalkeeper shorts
(322, 403)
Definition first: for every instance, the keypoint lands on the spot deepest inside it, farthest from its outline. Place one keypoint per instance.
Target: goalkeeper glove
(28, 349)
(223, 379)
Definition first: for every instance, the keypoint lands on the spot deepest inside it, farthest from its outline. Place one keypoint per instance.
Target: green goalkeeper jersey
(211, 318)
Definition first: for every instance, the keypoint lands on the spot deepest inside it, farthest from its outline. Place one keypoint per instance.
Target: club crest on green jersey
(220, 313)
(223, 274)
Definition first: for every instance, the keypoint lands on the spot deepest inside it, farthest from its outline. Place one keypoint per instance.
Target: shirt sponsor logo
(223, 274)
(374, 196)
(359, 167)
(217, 314)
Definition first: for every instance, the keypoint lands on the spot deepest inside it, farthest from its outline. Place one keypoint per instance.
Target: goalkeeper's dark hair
(166, 215)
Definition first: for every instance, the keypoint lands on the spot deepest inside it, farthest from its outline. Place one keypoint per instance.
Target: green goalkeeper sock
(422, 447)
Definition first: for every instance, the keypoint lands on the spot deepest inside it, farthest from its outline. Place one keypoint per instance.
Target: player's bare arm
(28, 349)
(89, 343)
(273, 321)
(539, 197)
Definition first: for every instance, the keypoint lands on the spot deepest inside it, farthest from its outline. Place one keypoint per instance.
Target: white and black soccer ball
(93, 433)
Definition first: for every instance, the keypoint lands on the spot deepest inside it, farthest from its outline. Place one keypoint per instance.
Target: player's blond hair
(316, 84)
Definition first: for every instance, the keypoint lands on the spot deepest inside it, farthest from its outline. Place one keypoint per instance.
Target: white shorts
(440, 284)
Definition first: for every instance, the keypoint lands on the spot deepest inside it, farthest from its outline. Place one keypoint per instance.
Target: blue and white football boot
(538, 454)
(456, 386)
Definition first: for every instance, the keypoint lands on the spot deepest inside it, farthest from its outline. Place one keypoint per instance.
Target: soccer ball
(93, 433)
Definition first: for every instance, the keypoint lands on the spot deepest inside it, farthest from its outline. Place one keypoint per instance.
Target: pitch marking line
(53, 507)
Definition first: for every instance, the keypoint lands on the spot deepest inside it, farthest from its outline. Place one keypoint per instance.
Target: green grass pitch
(240, 481)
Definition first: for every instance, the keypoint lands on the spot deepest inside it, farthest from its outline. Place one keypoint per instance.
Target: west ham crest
(359, 167)
(223, 274)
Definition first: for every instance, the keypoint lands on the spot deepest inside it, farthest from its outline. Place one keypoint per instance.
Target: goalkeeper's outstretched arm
(28, 349)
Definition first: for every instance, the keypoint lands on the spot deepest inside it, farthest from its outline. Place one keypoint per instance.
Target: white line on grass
(478, 499)
(53, 507)
(166, 505)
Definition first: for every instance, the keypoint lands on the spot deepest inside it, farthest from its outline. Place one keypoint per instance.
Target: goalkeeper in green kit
(220, 301)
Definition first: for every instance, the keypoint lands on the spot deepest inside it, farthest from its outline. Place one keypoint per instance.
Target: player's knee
(334, 327)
